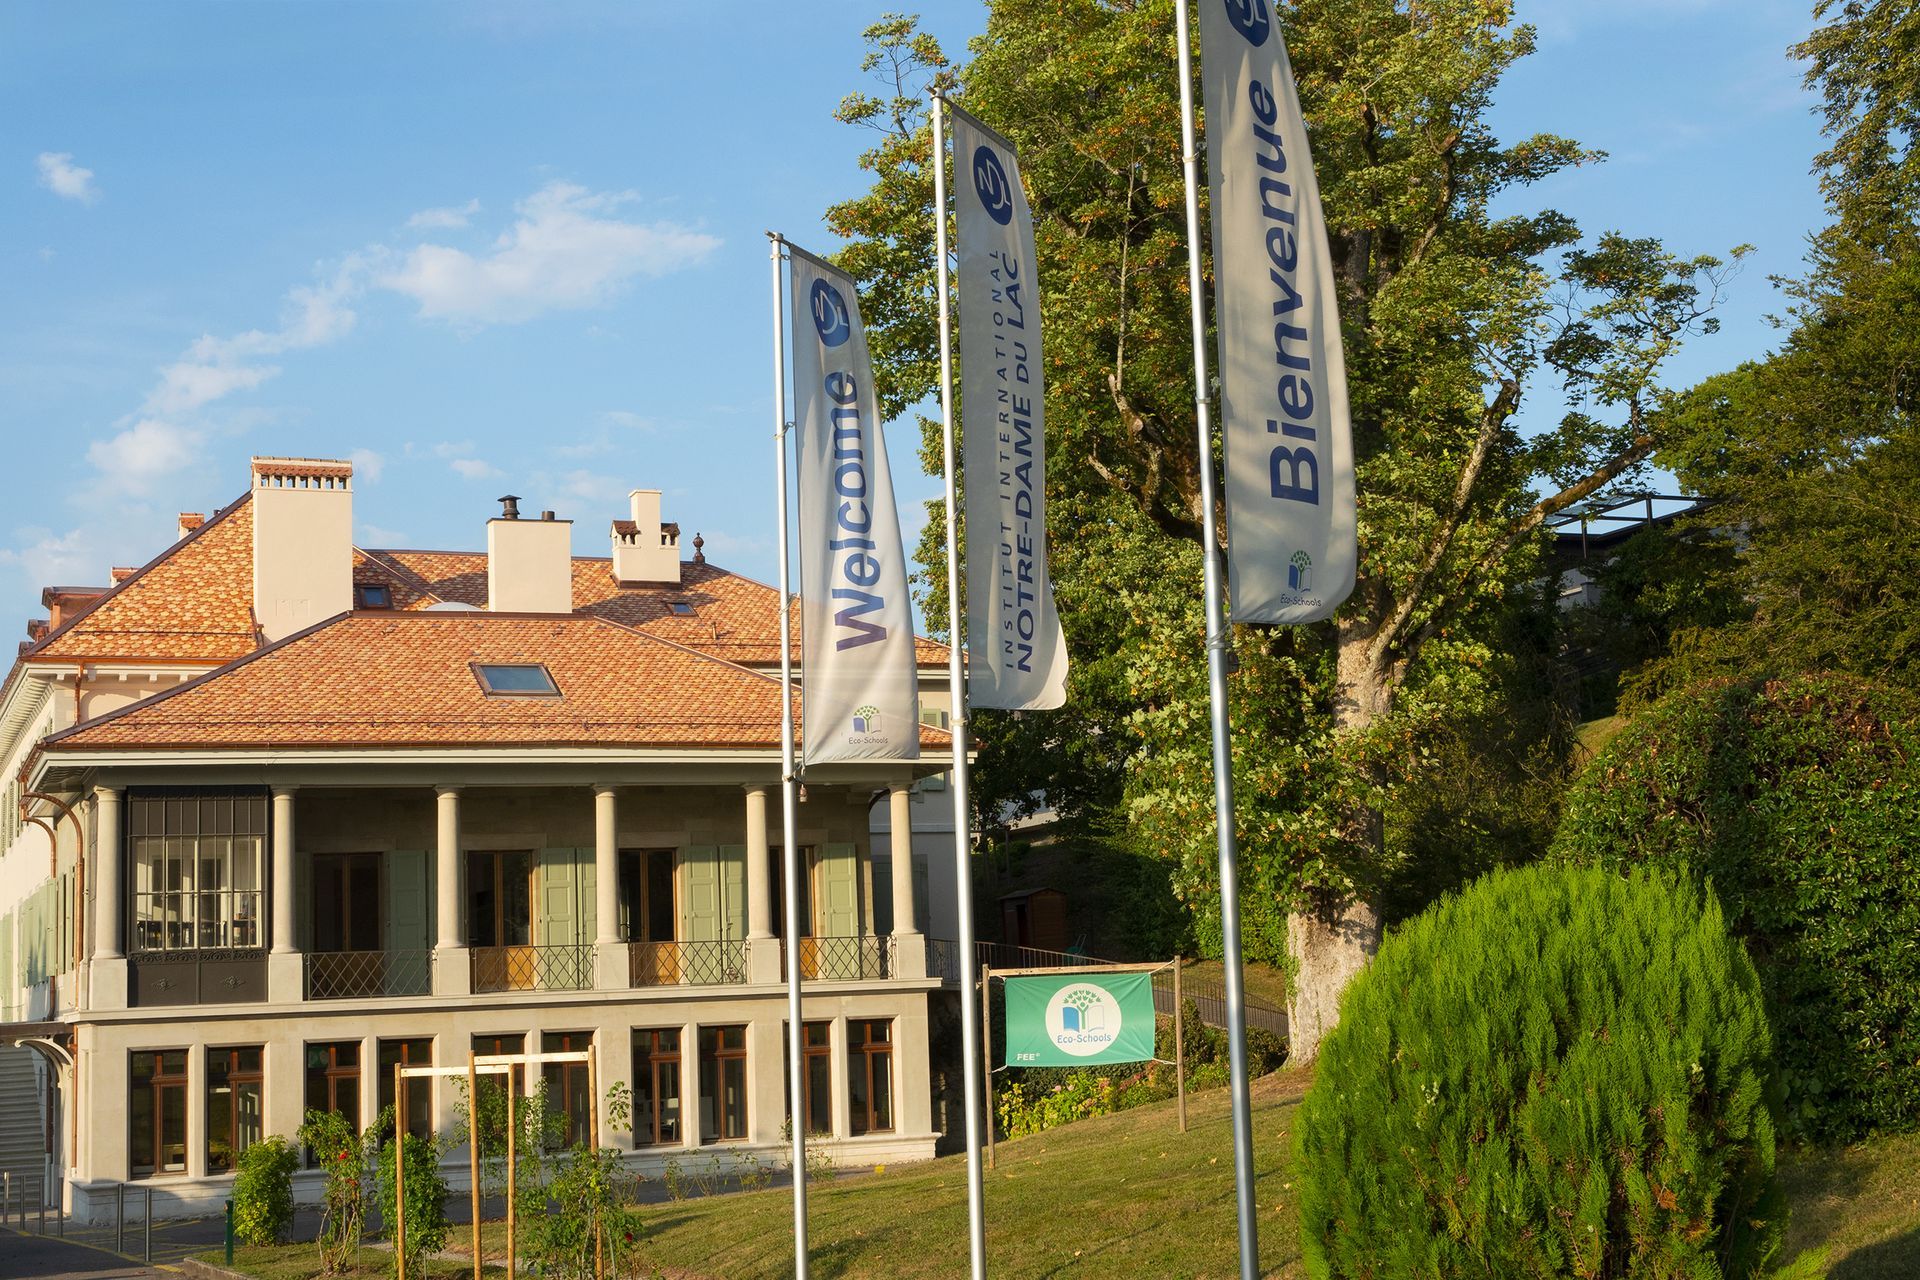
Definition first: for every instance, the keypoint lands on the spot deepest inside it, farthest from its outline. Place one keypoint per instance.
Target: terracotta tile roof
(194, 602)
(397, 679)
(191, 603)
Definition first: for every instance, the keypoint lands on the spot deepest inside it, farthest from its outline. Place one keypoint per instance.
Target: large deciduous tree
(1450, 312)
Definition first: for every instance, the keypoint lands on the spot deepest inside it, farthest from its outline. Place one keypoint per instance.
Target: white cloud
(144, 453)
(60, 175)
(449, 218)
(368, 465)
(46, 558)
(725, 545)
(474, 468)
(373, 535)
(564, 252)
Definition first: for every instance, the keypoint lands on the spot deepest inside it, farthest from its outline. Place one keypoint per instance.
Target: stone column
(284, 963)
(451, 974)
(763, 949)
(107, 982)
(609, 951)
(909, 945)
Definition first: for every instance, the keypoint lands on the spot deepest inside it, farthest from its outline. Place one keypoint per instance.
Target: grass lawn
(302, 1261)
(1128, 1196)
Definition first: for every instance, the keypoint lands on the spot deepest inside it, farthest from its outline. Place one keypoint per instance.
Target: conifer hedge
(1799, 800)
(1556, 1072)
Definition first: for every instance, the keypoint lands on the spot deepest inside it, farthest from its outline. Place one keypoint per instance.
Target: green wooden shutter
(585, 878)
(559, 917)
(6, 967)
(699, 893)
(409, 906)
(839, 905)
(733, 890)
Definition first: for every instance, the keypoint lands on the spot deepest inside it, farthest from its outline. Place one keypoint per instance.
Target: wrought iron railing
(347, 975)
(667, 964)
(943, 959)
(841, 959)
(551, 968)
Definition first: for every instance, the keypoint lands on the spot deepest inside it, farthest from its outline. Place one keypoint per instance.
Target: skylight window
(516, 679)
(680, 607)
(372, 595)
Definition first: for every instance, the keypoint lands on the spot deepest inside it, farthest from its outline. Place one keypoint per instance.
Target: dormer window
(680, 608)
(516, 679)
(372, 595)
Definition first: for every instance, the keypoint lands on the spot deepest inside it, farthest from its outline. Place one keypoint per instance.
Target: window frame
(421, 1124)
(330, 1078)
(651, 1062)
(869, 1059)
(173, 834)
(568, 1089)
(364, 593)
(235, 1081)
(159, 1083)
(718, 1060)
(480, 670)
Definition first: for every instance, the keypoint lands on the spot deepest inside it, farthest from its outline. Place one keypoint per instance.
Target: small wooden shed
(1035, 918)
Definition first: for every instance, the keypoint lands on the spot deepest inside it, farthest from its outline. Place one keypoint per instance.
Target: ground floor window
(723, 1083)
(408, 1053)
(333, 1080)
(656, 1088)
(157, 1112)
(569, 1090)
(816, 1073)
(233, 1105)
(870, 1074)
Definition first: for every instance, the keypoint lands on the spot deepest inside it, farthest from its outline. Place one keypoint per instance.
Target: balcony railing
(841, 959)
(667, 964)
(349, 975)
(557, 968)
(943, 959)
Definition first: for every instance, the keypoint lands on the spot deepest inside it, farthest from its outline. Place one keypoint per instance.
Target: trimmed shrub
(1557, 1072)
(1800, 801)
(263, 1191)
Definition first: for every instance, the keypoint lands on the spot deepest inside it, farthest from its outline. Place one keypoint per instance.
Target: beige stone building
(282, 811)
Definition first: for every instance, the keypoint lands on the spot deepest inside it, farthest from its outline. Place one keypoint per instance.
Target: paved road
(50, 1258)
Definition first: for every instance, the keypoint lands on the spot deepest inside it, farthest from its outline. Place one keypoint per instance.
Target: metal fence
(344, 975)
(666, 964)
(555, 968)
(842, 959)
(943, 959)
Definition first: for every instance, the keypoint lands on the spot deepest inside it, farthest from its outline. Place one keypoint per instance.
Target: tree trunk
(1335, 936)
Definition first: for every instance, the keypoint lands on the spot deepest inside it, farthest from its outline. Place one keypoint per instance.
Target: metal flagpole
(956, 679)
(1218, 640)
(789, 854)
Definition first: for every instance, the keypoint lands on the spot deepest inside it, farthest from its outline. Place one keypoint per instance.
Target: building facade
(284, 812)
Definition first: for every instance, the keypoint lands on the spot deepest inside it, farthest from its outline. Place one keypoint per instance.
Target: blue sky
(486, 247)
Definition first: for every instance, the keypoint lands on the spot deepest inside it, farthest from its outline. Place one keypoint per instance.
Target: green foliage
(1798, 799)
(344, 1156)
(1555, 1072)
(426, 1198)
(592, 1197)
(263, 1191)
(1026, 1109)
(538, 1127)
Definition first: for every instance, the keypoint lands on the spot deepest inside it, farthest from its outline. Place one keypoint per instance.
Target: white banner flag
(1283, 378)
(859, 687)
(1016, 652)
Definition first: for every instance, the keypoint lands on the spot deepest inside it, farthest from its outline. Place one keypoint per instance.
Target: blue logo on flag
(830, 314)
(990, 180)
(1249, 18)
(1300, 572)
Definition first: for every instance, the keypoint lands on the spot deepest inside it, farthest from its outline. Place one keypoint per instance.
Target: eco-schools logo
(1300, 572)
(1249, 18)
(866, 719)
(830, 314)
(990, 180)
(1083, 1020)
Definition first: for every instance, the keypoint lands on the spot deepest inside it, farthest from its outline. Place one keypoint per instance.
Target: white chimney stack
(302, 542)
(645, 551)
(529, 562)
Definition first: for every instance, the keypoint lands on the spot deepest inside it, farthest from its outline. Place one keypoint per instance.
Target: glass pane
(482, 907)
(733, 1037)
(517, 678)
(661, 913)
(173, 1128)
(819, 1034)
(819, 1095)
(734, 1099)
(857, 1091)
(248, 1116)
(669, 1073)
(220, 1150)
(516, 899)
(882, 1090)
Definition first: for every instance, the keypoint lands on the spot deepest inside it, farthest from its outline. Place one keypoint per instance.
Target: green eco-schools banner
(1079, 1020)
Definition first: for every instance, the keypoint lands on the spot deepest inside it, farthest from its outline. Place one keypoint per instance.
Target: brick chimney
(189, 521)
(646, 552)
(302, 542)
(529, 562)
(62, 603)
